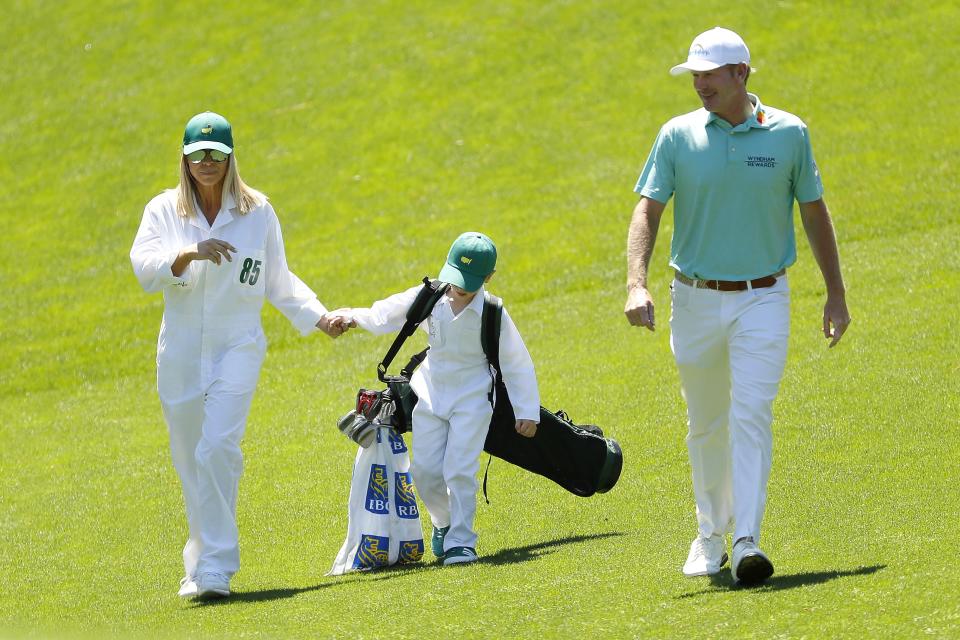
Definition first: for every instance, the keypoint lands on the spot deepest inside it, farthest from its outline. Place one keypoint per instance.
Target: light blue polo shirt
(735, 187)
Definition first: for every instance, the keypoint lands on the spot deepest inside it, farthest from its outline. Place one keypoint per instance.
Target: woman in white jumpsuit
(213, 247)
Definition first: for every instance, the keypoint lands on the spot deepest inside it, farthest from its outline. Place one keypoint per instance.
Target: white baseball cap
(713, 49)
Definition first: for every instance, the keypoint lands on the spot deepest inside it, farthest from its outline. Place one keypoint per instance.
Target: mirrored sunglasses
(198, 156)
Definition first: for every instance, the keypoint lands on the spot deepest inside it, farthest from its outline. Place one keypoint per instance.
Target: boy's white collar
(476, 304)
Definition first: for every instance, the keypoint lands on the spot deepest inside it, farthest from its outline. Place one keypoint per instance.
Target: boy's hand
(344, 317)
(527, 428)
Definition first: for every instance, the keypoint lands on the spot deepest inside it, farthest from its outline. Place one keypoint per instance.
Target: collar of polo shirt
(757, 120)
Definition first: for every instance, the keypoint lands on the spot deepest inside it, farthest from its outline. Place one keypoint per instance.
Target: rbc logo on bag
(410, 551)
(396, 442)
(378, 495)
(406, 499)
(374, 551)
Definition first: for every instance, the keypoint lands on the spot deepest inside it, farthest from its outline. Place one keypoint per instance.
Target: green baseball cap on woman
(207, 130)
(472, 258)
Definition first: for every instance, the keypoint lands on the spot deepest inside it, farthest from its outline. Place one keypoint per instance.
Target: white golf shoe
(750, 565)
(188, 587)
(212, 585)
(706, 556)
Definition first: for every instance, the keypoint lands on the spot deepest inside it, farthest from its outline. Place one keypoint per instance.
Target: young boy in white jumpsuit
(452, 416)
(215, 260)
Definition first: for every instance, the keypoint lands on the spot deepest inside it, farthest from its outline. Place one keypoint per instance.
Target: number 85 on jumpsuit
(211, 344)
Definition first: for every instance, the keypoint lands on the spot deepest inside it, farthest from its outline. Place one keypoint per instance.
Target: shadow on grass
(504, 556)
(266, 595)
(533, 551)
(723, 581)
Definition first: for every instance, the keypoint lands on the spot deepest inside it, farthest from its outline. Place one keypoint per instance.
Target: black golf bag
(578, 458)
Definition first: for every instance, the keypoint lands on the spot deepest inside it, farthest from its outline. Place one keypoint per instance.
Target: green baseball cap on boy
(207, 130)
(472, 258)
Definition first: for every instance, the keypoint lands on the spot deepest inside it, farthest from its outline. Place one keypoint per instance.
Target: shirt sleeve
(153, 253)
(518, 373)
(284, 289)
(387, 315)
(657, 179)
(807, 185)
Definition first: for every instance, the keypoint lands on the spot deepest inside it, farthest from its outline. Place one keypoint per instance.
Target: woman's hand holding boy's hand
(527, 428)
(330, 326)
(335, 323)
(344, 317)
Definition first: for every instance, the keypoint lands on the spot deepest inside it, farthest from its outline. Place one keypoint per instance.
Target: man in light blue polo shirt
(734, 168)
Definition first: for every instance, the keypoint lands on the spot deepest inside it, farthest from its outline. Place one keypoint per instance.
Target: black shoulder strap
(490, 321)
(427, 298)
(490, 328)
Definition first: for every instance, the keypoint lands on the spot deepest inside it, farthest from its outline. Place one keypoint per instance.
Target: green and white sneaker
(436, 543)
(457, 555)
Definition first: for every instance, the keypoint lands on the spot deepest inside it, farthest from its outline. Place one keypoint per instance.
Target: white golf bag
(384, 521)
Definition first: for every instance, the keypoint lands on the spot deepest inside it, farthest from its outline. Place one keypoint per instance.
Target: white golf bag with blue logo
(384, 521)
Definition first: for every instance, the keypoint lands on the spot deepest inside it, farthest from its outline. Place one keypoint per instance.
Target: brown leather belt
(731, 285)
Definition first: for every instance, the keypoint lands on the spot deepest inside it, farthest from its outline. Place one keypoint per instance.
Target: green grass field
(381, 130)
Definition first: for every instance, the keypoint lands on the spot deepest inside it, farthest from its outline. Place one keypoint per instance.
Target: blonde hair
(246, 197)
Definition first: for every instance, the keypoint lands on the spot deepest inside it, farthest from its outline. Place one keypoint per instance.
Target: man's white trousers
(730, 349)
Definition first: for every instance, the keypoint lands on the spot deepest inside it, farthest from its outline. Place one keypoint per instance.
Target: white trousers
(205, 434)
(730, 349)
(446, 459)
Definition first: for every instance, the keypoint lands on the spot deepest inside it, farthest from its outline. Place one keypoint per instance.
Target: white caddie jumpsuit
(209, 353)
(451, 418)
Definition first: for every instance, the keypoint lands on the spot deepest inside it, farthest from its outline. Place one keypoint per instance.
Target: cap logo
(207, 130)
(698, 51)
(466, 260)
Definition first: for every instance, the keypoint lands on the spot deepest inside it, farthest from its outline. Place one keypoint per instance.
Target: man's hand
(823, 242)
(640, 239)
(639, 308)
(526, 428)
(836, 318)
